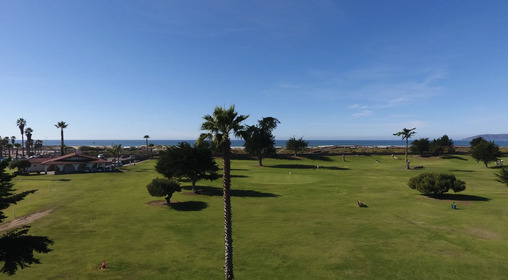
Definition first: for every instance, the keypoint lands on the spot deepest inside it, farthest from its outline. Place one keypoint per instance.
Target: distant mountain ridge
(490, 137)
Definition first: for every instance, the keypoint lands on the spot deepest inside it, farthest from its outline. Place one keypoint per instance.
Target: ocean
(239, 143)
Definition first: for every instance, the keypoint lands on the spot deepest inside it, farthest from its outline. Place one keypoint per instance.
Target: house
(72, 163)
(36, 165)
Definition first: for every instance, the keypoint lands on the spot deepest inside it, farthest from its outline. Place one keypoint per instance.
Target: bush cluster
(436, 183)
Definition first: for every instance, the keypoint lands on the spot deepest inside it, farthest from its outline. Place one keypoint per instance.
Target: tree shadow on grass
(306, 166)
(287, 157)
(498, 167)
(213, 191)
(461, 170)
(188, 205)
(459, 197)
(317, 157)
(453, 157)
(239, 176)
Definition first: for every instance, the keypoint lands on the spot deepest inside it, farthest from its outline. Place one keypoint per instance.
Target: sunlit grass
(291, 220)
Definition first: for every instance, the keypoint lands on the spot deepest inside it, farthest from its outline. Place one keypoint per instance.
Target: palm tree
(17, 145)
(406, 134)
(3, 144)
(13, 141)
(28, 133)
(21, 124)
(219, 125)
(9, 146)
(61, 125)
(146, 138)
(151, 145)
(38, 146)
(116, 149)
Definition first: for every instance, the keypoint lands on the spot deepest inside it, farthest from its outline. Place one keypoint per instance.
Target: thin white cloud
(363, 113)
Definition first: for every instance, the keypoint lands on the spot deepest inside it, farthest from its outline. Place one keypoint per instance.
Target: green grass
(289, 222)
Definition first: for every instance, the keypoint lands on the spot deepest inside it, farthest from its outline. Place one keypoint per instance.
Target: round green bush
(436, 183)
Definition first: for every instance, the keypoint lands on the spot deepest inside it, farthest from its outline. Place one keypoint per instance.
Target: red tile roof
(71, 159)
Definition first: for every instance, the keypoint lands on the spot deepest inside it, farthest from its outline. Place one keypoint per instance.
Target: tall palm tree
(21, 124)
(61, 125)
(28, 133)
(146, 138)
(219, 126)
(406, 134)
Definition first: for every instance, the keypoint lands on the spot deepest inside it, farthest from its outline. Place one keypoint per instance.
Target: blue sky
(325, 69)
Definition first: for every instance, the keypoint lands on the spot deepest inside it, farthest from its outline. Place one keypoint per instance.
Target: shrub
(436, 183)
(22, 165)
(163, 187)
(502, 176)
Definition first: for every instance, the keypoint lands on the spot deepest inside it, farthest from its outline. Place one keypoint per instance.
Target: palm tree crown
(221, 124)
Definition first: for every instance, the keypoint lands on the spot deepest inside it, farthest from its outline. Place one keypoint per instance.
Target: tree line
(8, 144)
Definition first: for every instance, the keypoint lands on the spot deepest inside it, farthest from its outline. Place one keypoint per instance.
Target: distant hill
(490, 137)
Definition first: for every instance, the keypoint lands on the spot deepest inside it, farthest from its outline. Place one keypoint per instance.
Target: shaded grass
(288, 223)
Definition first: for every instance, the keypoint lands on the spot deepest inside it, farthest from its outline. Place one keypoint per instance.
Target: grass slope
(290, 221)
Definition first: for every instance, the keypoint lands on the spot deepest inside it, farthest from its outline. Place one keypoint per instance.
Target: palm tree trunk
(62, 144)
(147, 155)
(22, 144)
(193, 185)
(407, 162)
(228, 233)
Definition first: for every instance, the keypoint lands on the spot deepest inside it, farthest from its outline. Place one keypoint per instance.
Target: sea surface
(239, 143)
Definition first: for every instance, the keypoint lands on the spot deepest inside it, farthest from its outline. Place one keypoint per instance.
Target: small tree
(259, 140)
(484, 151)
(443, 145)
(502, 176)
(160, 187)
(16, 247)
(296, 145)
(436, 184)
(420, 146)
(186, 161)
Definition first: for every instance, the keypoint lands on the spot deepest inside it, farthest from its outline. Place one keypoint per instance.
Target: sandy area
(21, 221)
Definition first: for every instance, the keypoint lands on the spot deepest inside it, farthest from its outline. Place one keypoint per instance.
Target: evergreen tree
(16, 246)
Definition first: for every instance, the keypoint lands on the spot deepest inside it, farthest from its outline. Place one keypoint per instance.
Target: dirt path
(21, 221)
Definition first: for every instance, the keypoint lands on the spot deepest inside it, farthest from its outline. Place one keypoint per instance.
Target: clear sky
(326, 69)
